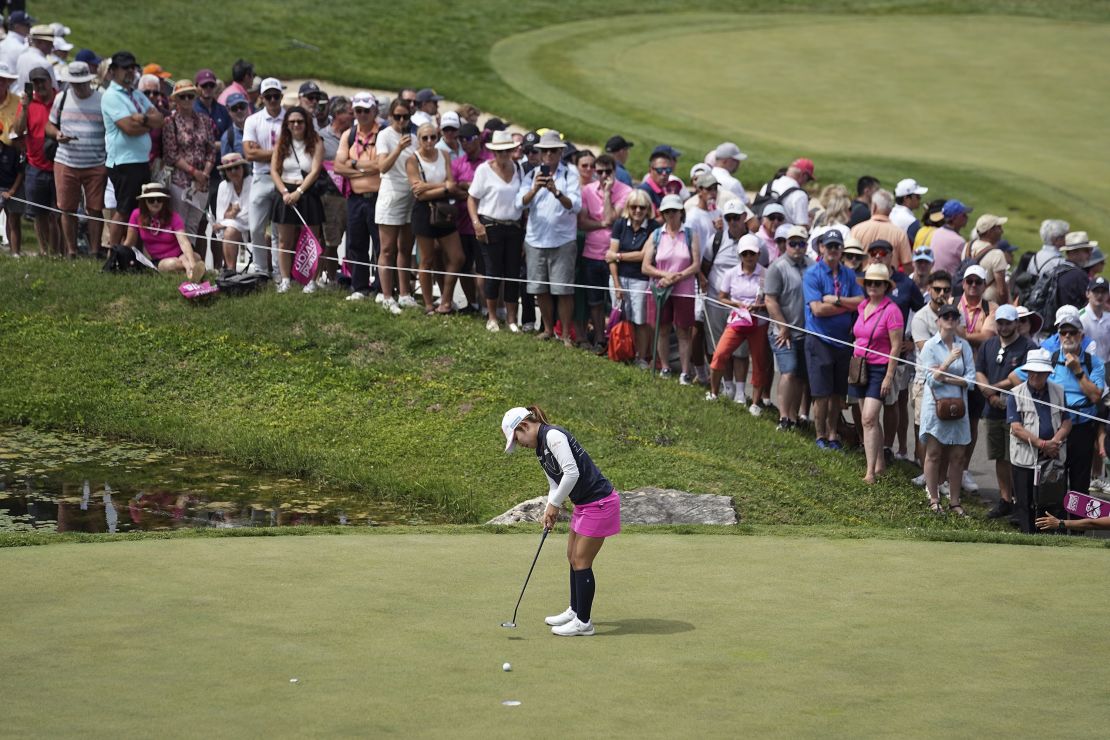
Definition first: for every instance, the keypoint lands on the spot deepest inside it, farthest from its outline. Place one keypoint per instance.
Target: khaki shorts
(998, 439)
(916, 391)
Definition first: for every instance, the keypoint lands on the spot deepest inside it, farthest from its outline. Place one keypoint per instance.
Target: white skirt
(393, 208)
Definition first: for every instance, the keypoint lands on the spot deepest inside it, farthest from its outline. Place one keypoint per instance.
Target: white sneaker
(283, 286)
(492, 325)
(968, 483)
(391, 306)
(514, 328)
(379, 298)
(357, 296)
(558, 620)
(574, 628)
(683, 379)
(742, 400)
(945, 489)
(710, 396)
(406, 301)
(729, 389)
(755, 409)
(919, 480)
(309, 287)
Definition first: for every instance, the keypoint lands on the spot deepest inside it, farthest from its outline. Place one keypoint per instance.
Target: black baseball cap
(495, 124)
(948, 309)
(880, 244)
(309, 89)
(617, 143)
(124, 59)
(467, 130)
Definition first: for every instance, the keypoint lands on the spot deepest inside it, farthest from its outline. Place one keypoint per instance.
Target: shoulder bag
(443, 212)
(949, 409)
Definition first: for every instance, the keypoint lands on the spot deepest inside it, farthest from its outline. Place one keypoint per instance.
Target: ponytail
(537, 413)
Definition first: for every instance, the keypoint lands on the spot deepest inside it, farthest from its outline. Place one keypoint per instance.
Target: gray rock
(647, 505)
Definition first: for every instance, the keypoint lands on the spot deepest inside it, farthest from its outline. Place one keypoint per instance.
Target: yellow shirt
(9, 114)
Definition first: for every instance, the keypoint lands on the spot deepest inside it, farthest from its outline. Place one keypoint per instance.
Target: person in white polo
(260, 135)
(907, 199)
(727, 158)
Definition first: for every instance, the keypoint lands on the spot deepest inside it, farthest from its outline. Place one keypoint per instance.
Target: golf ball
(293, 680)
(506, 666)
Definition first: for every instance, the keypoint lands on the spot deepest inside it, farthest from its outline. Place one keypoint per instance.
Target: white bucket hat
(1038, 361)
(502, 140)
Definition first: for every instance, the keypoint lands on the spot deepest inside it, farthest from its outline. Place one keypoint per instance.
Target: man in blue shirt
(1083, 378)
(832, 297)
(620, 148)
(128, 120)
(206, 102)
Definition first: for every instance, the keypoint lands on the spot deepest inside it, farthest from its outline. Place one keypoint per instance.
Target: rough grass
(407, 407)
(697, 636)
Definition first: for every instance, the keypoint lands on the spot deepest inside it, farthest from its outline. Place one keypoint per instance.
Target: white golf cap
(782, 231)
(908, 186)
(748, 243)
(670, 203)
(975, 271)
(449, 119)
(510, 422)
(272, 83)
(728, 150)
(1068, 315)
(1037, 361)
(736, 207)
(772, 208)
(365, 100)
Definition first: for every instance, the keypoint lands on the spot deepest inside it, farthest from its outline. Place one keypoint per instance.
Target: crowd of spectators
(880, 302)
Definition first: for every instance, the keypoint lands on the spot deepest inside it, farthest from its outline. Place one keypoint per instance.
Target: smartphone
(28, 89)
(545, 170)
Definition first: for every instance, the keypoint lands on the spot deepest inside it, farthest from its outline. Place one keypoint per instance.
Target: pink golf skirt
(601, 518)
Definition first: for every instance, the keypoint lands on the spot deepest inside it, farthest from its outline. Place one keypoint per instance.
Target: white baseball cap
(1069, 315)
(271, 83)
(670, 203)
(364, 100)
(908, 186)
(736, 207)
(748, 243)
(510, 422)
(783, 231)
(728, 150)
(975, 271)
(772, 208)
(449, 120)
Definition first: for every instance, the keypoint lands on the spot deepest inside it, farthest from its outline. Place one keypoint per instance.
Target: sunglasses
(879, 252)
(637, 208)
(238, 108)
(296, 121)
(734, 217)
(837, 247)
(603, 172)
(468, 139)
(272, 96)
(711, 188)
(938, 289)
(776, 217)
(796, 243)
(401, 116)
(150, 93)
(662, 170)
(1068, 332)
(209, 84)
(874, 283)
(429, 138)
(973, 281)
(187, 96)
(948, 317)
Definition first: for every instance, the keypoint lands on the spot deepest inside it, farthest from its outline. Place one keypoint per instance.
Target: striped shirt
(82, 120)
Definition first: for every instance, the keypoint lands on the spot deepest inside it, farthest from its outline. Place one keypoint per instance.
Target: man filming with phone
(552, 194)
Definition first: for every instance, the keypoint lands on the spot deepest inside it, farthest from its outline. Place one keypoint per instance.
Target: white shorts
(393, 208)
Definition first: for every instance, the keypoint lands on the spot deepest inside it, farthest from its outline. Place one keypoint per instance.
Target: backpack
(707, 265)
(1045, 296)
(961, 270)
(242, 283)
(621, 346)
(1022, 280)
(123, 259)
(767, 196)
(658, 234)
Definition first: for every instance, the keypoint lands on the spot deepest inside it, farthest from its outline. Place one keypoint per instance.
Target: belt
(367, 196)
(497, 222)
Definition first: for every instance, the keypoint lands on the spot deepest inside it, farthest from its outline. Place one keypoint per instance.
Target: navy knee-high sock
(573, 592)
(584, 585)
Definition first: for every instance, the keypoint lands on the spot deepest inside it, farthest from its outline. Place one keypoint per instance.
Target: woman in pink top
(672, 257)
(743, 290)
(163, 234)
(878, 339)
(602, 203)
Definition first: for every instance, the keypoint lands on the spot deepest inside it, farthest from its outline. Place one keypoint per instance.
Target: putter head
(509, 625)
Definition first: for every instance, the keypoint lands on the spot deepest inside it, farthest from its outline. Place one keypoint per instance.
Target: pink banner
(193, 291)
(307, 258)
(1087, 507)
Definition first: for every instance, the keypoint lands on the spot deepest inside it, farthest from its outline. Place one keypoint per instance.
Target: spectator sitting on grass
(163, 234)
(232, 207)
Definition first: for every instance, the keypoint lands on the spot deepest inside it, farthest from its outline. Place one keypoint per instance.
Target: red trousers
(732, 338)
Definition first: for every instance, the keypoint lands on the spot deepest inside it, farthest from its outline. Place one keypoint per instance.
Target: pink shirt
(742, 287)
(673, 255)
(948, 248)
(597, 241)
(769, 242)
(885, 319)
(160, 245)
(234, 87)
(462, 170)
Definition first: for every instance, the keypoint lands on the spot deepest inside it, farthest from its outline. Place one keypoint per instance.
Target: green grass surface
(406, 407)
(697, 636)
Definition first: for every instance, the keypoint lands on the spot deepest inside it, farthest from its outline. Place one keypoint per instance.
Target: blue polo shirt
(906, 295)
(817, 283)
(117, 103)
(1074, 398)
(217, 113)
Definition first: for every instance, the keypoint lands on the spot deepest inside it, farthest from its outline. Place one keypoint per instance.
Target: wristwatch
(837, 301)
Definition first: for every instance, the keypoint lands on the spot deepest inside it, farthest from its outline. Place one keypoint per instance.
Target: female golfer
(597, 507)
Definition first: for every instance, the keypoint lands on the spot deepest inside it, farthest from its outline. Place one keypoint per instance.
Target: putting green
(1016, 100)
(696, 635)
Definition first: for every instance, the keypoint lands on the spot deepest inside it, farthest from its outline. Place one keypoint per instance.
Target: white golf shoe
(968, 483)
(559, 620)
(574, 628)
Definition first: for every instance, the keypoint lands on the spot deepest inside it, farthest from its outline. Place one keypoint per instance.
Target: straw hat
(182, 87)
(877, 271)
(154, 191)
(501, 141)
(231, 160)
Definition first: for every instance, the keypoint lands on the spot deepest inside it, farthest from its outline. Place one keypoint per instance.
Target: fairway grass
(697, 635)
(958, 102)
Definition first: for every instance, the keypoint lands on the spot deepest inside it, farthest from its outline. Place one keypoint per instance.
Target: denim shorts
(791, 360)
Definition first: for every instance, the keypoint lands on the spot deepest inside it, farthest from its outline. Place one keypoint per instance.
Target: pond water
(61, 482)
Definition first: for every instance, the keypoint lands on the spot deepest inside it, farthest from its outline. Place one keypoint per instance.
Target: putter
(512, 624)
